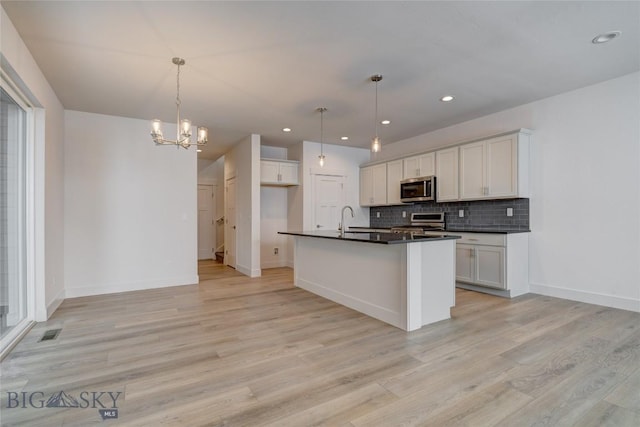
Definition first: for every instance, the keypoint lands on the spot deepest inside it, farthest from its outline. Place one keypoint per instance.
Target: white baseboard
(130, 286)
(612, 301)
(388, 316)
(55, 303)
(273, 264)
(256, 272)
(289, 263)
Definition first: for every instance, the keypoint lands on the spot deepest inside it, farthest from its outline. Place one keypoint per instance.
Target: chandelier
(375, 142)
(183, 133)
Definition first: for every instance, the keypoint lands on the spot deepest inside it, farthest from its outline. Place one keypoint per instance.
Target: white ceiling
(256, 67)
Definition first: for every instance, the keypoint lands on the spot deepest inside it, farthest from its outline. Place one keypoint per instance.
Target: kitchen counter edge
(379, 238)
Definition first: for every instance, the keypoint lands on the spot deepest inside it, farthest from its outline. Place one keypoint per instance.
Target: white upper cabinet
(373, 185)
(421, 165)
(394, 176)
(278, 172)
(495, 168)
(447, 174)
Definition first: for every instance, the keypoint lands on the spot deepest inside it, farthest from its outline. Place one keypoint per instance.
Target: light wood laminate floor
(235, 351)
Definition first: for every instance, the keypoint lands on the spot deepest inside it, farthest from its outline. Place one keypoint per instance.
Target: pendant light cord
(321, 131)
(375, 119)
(178, 103)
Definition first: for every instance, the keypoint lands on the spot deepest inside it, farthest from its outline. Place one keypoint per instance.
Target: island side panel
(370, 278)
(438, 280)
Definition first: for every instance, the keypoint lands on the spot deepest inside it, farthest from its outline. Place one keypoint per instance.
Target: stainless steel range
(422, 222)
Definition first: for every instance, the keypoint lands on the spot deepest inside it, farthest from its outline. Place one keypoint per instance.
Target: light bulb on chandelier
(183, 133)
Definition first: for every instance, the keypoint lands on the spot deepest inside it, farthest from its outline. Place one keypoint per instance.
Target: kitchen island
(405, 280)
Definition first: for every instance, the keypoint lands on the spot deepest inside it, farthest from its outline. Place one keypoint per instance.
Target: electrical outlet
(377, 214)
(461, 213)
(509, 211)
(404, 214)
(275, 251)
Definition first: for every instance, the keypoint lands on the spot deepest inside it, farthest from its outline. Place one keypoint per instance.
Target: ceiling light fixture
(344, 138)
(605, 37)
(447, 98)
(183, 133)
(375, 142)
(286, 129)
(321, 156)
(385, 122)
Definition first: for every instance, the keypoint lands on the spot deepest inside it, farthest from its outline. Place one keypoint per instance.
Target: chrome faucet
(341, 226)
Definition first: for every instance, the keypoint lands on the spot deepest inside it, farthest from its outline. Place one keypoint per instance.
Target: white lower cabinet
(493, 263)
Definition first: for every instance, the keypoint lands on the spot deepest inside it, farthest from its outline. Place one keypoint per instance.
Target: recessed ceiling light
(344, 138)
(447, 98)
(286, 129)
(605, 37)
(198, 151)
(385, 122)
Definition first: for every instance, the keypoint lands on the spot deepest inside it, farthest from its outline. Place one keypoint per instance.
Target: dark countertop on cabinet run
(486, 230)
(382, 238)
(451, 230)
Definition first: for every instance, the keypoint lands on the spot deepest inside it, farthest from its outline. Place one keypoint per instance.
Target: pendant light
(321, 110)
(183, 134)
(375, 142)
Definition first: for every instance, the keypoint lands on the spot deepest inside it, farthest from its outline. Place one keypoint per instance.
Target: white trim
(14, 336)
(130, 286)
(273, 264)
(39, 286)
(248, 271)
(55, 303)
(614, 301)
(381, 313)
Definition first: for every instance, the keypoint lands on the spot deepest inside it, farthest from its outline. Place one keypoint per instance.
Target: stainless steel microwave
(419, 189)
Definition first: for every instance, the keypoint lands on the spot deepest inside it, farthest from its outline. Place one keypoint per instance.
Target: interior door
(206, 229)
(230, 223)
(328, 194)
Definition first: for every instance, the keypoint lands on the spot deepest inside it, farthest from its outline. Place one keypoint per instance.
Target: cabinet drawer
(481, 239)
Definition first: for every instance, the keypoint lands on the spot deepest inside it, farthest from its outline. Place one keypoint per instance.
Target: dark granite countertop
(382, 238)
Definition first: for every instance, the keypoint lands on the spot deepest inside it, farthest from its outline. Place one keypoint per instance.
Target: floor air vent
(51, 334)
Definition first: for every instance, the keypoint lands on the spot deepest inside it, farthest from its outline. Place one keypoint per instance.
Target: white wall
(243, 163)
(340, 160)
(585, 195)
(273, 216)
(130, 207)
(49, 207)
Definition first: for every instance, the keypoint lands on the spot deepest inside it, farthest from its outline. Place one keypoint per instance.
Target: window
(13, 202)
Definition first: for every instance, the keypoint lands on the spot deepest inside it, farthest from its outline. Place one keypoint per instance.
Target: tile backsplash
(478, 215)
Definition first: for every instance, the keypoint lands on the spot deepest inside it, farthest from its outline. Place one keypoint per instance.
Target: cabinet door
(447, 174)
(411, 167)
(465, 263)
(422, 165)
(501, 172)
(269, 171)
(394, 176)
(366, 186)
(288, 173)
(472, 174)
(379, 187)
(490, 266)
(427, 164)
